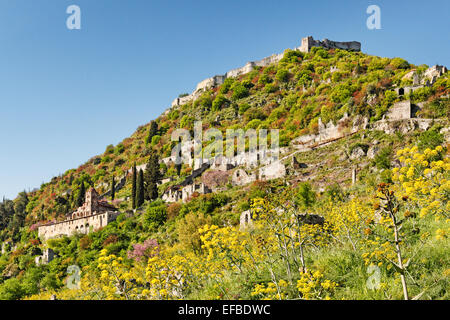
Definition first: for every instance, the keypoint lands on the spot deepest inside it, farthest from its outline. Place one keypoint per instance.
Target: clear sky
(66, 94)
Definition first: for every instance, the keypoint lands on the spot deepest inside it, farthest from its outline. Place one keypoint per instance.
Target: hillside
(344, 120)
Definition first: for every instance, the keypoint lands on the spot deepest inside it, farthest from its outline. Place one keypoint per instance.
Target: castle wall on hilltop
(307, 44)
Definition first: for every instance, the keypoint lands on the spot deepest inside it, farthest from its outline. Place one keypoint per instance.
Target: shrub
(173, 211)
(254, 113)
(254, 124)
(187, 122)
(292, 56)
(264, 79)
(109, 149)
(383, 158)
(341, 93)
(144, 251)
(187, 230)
(219, 102)
(305, 196)
(175, 114)
(155, 140)
(243, 107)
(85, 243)
(270, 88)
(421, 94)
(430, 139)
(119, 149)
(11, 290)
(282, 75)
(304, 77)
(111, 239)
(399, 63)
(334, 192)
(239, 91)
(226, 86)
(155, 215)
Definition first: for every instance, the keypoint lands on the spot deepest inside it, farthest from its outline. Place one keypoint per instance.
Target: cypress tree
(152, 176)
(152, 131)
(113, 188)
(81, 195)
(133, 188)
(140, 189)
(178, 159)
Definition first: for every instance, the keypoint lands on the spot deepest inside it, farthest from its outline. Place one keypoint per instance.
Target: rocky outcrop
(357, 153)
(372, 152)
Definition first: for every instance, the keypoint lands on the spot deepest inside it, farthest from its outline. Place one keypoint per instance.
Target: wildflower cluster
(118, 279)
(312, 285)
(424, 179)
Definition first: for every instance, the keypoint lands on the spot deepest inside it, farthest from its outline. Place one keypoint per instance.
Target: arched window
(401, 91)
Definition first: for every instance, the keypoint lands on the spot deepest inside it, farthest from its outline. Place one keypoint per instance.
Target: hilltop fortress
(306, 45)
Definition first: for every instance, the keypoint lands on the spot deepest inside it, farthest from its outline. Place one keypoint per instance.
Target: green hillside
(280, 258)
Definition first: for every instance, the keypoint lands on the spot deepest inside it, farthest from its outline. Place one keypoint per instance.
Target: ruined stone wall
(246, 220)
(400, 110)
(241, 177)
(434, 72)
(307, 44)
(272, 171)
(330, 132)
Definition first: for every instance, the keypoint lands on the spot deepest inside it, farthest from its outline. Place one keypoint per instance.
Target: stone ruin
(180, 193)
(428, 78)
(6, 246)
(47, 256)
(241, 177)
(402, 110)
(92, 215)
(330, 132)
(246, 220)
(309, 42)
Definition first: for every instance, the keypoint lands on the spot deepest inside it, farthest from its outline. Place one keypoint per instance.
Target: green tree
(81, 194)
(383, 158)
(219, 102)
(282, 75)
(305, 197)
(430, 138)
(140, 189)
(239, 91)
(187, 230)
(155, 215)
(152, 177)
(20, 205)
(113, 188)
(133, 187)
(152, 131)
(11, 290)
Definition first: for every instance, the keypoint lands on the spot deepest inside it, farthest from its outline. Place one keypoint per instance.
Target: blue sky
(66, 94)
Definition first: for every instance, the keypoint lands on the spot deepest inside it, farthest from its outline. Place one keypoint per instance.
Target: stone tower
(91, 201)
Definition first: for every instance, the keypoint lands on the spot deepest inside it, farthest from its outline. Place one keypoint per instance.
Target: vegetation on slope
(290, 96)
